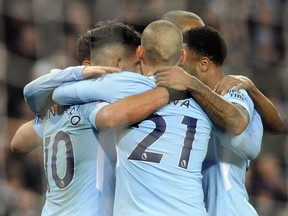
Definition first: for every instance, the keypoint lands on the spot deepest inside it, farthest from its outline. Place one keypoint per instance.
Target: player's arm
(38, 92)
(131, 109)
(110, 88)
(228, 116)
(25, 139)
(271, 118)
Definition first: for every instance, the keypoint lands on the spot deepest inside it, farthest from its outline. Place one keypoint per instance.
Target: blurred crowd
(38, 35)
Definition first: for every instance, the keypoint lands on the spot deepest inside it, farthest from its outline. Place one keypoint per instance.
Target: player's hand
(241, 82)
(96, 71)
(172, 77)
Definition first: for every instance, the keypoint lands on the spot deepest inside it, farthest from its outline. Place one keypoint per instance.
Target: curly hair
(206, 41)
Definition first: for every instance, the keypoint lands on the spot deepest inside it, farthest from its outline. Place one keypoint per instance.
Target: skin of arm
(271, 118)
(228, 116)
(25, 139)
(131, 109)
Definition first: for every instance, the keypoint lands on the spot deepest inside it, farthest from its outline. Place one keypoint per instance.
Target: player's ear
(183, 56)
(204, 64)
(118, 63)
(139, 52)
(86, 62)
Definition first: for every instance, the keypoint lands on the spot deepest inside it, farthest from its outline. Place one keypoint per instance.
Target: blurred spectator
(268, 187)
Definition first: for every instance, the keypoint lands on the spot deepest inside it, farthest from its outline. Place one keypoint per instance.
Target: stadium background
(37, 35)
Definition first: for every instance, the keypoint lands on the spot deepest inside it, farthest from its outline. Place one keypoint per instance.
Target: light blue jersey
(160, 161)
(160, 158)
(110, 88)
(226, 163)
(80, 174)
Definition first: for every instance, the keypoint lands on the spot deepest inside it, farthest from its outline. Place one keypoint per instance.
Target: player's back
(73, 162)
(224, 171)
(160, 160)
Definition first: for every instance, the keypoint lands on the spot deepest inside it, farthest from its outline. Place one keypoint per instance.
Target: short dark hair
(206, 41)
(115, 33)
(104, 32)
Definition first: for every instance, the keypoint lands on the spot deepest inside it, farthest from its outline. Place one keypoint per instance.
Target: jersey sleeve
(91, 111)
(240, 97)
(38, 126)
(110, 88)
(248, 143)
(38, 92)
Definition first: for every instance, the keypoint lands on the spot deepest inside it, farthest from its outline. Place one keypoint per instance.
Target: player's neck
(215, 76)
(148, 70)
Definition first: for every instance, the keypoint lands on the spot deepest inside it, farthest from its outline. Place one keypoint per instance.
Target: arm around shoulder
(270, 116)
(131, 109)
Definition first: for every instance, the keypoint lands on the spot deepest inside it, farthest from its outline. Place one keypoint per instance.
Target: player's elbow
(24, 144)
(16, 148)
(105, 120)
(56, 96)
(238, 128)
(239, 122)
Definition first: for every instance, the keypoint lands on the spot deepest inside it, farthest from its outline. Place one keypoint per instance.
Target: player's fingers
(238, 86)
(222, 88)
(159, 79)
(162, 73)
(219, 87)
(161, 83)
(227, 86)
